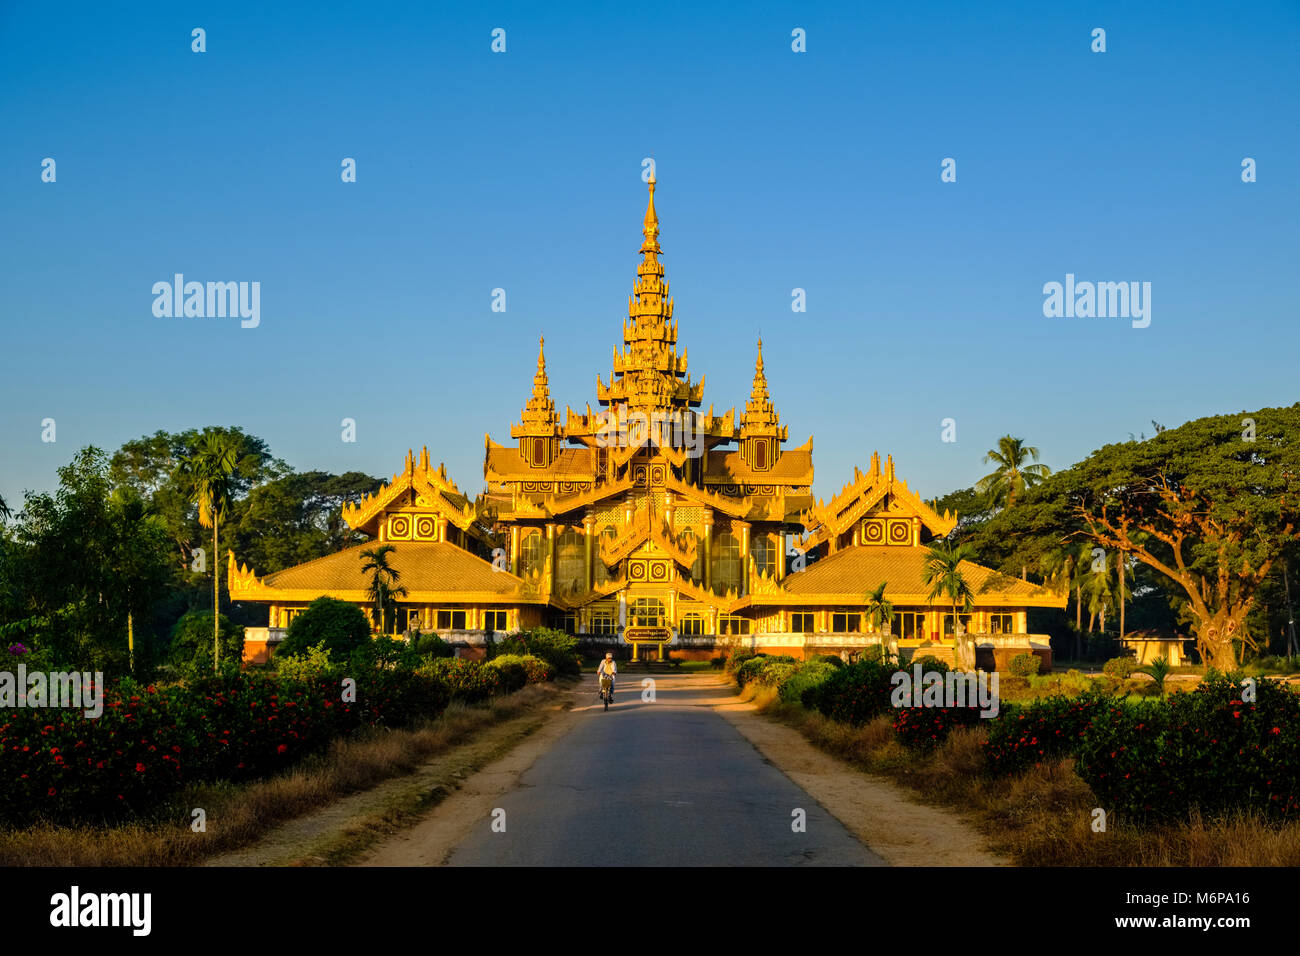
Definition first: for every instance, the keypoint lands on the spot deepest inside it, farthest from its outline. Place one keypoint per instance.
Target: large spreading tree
(1211, 507)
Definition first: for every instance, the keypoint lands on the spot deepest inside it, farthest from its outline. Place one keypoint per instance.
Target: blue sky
(522, 171)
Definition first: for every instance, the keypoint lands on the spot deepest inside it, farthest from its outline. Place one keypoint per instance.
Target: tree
(340, 626)
(1066, 567)
(880, 612)
(208, 475)
(137, 556)
(4, 508)
(383, 590)
(1014, 475)
(1211, 508)
(942, 573)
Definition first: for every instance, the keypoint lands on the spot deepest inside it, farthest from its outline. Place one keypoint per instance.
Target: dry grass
(1044, 816)
(239, 814)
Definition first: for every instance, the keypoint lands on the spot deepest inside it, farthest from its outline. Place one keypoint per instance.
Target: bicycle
(606, 691)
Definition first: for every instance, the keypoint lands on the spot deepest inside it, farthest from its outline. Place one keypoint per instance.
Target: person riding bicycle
(606, 671)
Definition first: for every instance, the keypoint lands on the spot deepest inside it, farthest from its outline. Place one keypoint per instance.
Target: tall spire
(651, 226)
(648, 372)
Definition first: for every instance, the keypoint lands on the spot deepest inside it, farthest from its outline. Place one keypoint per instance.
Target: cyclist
(606, 671)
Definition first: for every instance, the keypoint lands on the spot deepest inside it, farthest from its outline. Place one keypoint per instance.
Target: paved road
(663, 783)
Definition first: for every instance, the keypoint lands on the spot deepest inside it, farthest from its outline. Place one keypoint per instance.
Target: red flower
(51, 792)
(282, 748)
(139, 768)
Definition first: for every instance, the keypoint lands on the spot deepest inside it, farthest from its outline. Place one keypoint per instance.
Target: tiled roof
(423, 566)
(793, 466)
(854, 571)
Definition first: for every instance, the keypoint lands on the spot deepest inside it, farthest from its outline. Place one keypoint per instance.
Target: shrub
(431, 645)
(340, 626)
(774, 671)
(748, 669)
(833, 659)
(467, 681)
(191, 642)
(556, 647)
(735, 661)
(1207, 749)
(510, 671)
(1025, 665)
(808, 675)
(1119, 667)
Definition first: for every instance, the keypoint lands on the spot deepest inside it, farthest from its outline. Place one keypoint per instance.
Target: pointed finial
(650, 229)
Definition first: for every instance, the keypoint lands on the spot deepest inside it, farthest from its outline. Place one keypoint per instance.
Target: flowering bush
(1047, 729)
(150, 741)
(1119, 667)
(1207, 749)
(923, 728)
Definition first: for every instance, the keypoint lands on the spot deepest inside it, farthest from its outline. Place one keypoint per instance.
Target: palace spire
(539, 412)
(648, 372)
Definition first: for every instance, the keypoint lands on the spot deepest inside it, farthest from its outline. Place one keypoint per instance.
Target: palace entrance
(647, 629)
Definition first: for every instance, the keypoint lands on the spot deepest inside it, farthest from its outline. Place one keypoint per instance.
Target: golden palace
(654, 524)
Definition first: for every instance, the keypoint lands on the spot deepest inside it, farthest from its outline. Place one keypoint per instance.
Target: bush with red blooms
(61, 766)
(1212, 749)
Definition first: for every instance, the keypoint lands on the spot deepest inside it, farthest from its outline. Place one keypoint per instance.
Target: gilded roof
(422, 566)
(854, 571)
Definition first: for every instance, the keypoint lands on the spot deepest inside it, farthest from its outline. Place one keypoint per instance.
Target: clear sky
(522, 170)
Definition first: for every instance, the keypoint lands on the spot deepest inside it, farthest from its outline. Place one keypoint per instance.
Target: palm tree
(942, 572)
(1014, 476)
(209, 474)
(383, 590)
(4, 508)
(880, 612)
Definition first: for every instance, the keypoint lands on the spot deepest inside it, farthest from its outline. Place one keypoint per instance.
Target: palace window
(733, 624)
(763, 551)
(414, 620)
(843, 623)
(1002, 623)
(692, 625)
(947, 624)
(571, 563)
(604, 622)
(451, 620)
(802, 622)
(494, 620)
(909, 625)
(647, 612)
(760, 455)
(532, 553)
(539, 452)
(726, 563)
